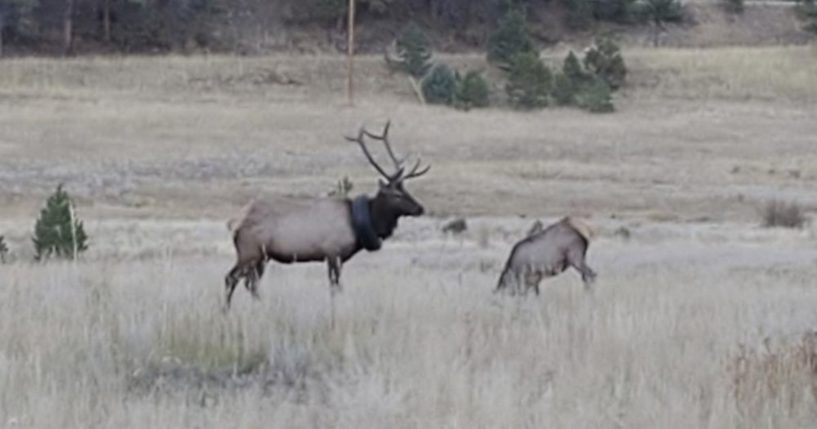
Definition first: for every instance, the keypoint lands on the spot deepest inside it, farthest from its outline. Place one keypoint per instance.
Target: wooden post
(350, 29)
(2, 24)
(68, 28)
(106, 20)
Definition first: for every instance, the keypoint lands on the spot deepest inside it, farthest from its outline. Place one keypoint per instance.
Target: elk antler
(359, 140)
(414, 173)
(384, 137)
(398, 164)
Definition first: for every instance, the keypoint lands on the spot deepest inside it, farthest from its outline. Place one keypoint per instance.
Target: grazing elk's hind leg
(532, 280)
(230, 282)
(253, 277)
(576, 259)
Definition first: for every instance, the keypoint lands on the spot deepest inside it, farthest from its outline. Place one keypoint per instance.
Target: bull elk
(546, 253)
(330, 230)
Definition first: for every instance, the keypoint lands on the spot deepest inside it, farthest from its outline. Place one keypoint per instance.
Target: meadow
(700, 316)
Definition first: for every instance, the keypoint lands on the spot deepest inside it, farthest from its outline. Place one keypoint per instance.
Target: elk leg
(503, 278)
(576, 260)
(334, 266)
(532, 280)
(230, 282)
(253, 277)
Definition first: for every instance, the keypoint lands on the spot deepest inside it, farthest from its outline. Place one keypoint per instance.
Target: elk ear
(381, 184)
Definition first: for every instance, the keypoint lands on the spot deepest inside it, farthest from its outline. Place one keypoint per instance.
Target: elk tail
(581, 227)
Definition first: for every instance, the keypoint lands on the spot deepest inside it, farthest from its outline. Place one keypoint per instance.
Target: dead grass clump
(782, 375)
(455, 226)
(778, 213)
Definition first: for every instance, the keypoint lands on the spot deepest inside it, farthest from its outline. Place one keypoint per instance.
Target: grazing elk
(321, 229)
(546, 253)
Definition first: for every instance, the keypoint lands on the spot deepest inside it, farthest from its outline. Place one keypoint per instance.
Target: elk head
(392, 199)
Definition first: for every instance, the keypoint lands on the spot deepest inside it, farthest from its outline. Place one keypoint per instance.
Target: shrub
(604, 60)
(342, 188)
(595, 96)
(777, 213)
(510, 38)
(529, 82)
(4, 250)
(659, 12)
(733, 6)
(472, 92)
(413, 54)
(440, 85)
(807, 10)
(57, 232)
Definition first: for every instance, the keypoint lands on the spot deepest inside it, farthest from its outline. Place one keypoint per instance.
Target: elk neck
(384, 217)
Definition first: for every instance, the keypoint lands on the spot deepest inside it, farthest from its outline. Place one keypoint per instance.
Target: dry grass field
(700, 317)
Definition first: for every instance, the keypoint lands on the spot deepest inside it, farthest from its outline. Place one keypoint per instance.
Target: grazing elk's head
(392, 198)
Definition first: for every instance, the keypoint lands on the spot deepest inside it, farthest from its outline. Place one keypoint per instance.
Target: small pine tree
(4, 250)
(605, 61)
(440, 85)
(414, 51)
(510, 38)
(529, 82)
(472, 92)
(564, 91)
(573, 69)
(595, 97)
(567, 83)
(54, 233)
(660, 12)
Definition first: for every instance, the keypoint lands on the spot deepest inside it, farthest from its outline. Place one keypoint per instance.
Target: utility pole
(350, 54)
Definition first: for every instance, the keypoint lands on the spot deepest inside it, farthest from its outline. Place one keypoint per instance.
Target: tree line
(56, 26)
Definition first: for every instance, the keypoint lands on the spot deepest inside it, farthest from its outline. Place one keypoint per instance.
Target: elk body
(329, 230)
(546, 253)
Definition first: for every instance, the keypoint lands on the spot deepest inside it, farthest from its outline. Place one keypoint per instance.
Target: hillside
(256, 28)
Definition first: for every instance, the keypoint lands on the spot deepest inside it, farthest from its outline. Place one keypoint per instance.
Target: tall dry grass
(419, 341)
(734, 73)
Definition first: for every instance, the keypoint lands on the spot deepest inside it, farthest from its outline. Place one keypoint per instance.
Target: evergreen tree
(563, 92)
(579, 13)
(414, 51)
(510, 38)
(440, 85)
(595, 96)
(808, 13)
(604, 60)
(573, 69)
(54, 233)
(472, 91)
(529, 82)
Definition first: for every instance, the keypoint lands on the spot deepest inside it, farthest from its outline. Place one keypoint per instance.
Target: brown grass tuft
(783, 374)
(779, 213)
